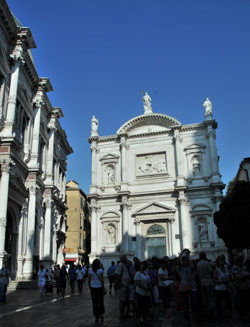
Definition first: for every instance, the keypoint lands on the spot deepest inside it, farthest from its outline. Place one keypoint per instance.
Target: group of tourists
(201, 289)
(61, 275)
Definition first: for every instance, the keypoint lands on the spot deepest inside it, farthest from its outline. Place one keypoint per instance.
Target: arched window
(156, 229)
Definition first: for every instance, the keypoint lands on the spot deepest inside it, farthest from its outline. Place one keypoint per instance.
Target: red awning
(69, 260)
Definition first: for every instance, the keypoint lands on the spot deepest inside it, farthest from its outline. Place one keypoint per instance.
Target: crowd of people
(202, 289)
(71, 273)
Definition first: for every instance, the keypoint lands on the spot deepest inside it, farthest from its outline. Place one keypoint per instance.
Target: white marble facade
(33, 157)
(155, 186)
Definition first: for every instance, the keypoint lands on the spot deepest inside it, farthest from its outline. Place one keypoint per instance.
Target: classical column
(139, 249)
(50, 158)
(2, 90)
(179, 162)
(94, 229)
(4, 191)
(21, 243)
(28, 265)
(125, 223)
(47, 230)
(186, 223)
(94, 150)
(213, 150)
(54, 246)
(123, 159)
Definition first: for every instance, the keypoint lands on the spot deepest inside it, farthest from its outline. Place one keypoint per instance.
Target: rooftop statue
(94, 126)
(147, 103)
(208, 107)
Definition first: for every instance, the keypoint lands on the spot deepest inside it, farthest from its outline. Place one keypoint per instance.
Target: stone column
(11, 106)
(186, 223)
(38, 101)
(35, 138)
(139, 249)
(28, 265)
(125, 223)
(213, 154)
(4, 191)
(2, 90)
(124, 159)
(94, 150)
(50, 159)
(21, 243)
(94, 229)
(179, 159)
(47, 230)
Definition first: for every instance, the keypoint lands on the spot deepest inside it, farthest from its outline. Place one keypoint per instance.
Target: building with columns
(33, 157)
(155, 186)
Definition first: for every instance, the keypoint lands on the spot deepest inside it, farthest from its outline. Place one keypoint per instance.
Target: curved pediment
(148, 123)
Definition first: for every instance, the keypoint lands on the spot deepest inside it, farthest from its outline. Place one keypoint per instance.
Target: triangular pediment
(110, 156)
(154, 208)
(195, 146)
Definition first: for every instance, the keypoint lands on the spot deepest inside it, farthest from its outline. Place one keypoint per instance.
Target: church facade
(155, 186)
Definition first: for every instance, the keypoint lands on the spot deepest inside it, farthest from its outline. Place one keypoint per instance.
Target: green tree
(233, 218)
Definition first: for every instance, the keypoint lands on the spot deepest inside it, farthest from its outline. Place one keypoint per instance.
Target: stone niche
(151, 164)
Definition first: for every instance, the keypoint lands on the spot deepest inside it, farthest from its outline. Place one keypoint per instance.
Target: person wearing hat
(4, 281)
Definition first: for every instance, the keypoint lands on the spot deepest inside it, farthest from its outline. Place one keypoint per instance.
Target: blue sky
(100, 55)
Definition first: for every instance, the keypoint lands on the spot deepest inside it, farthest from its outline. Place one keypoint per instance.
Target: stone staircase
(22, 284)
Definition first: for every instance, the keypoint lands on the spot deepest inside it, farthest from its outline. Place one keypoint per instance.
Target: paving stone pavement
(27, 308)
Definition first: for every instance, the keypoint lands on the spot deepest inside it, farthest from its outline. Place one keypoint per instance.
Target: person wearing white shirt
(96, 285)
(80, 277)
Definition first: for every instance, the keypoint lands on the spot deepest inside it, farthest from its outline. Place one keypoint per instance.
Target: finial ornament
(208, 107)
(147, 103)
(94, 126)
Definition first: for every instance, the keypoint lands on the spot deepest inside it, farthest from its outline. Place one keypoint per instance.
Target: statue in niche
(147, 103)
(111, 234)
(94, 126)
(110, 175)
(208, 107)
(202, 230)
(196, 166)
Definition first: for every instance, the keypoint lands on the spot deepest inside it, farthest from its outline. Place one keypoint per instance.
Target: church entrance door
(156, 247)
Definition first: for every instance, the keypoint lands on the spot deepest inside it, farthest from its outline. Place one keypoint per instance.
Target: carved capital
(6, 164)
(33, 189)
(48, 204)
(17, 53)
(183, 201)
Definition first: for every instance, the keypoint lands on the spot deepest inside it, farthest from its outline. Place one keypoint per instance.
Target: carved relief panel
(151, 164)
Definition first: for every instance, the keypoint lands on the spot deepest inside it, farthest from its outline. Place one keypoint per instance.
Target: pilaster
(186, 222)
(38, 102)
(4, 191)
(28, 265)
(179, 158)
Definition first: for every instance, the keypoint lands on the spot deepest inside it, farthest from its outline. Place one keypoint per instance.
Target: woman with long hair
(96, 285)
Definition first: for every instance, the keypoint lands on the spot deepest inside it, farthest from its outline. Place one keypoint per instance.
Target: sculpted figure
(203, 232)
(147, 103)
(110, 175)
(94, 126)
(208, 107)
(111, 234)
